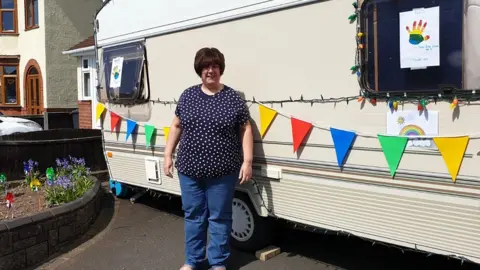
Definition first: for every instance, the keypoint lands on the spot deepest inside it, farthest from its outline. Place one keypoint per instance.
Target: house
(86, 80)
(35, 77)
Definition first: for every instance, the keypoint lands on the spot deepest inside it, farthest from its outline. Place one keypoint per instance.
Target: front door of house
(33, 104)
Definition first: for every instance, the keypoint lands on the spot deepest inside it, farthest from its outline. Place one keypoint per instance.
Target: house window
(124, 70)
(86, 78)
(31, 14)
(9, 88)
(8, 17)
(382, 70)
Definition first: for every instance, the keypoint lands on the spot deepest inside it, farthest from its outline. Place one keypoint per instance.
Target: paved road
(149, 235)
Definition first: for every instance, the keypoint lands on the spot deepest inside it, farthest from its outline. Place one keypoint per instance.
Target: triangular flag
(130, 127)
(114, 118)
(300, 129)
(166, 131)
(342, 140)
(452, 150)
(266, 117)
(393, 148)
(149, 130)
(99, 110)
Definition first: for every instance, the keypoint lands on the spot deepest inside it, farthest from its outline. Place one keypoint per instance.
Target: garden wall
(46, 146)
(27, 241)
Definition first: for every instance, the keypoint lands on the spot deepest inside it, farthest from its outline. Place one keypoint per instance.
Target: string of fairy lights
(446, 93)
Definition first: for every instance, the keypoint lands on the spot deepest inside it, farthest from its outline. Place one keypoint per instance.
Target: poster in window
(411, 123)
(420, 38)
(116, 75)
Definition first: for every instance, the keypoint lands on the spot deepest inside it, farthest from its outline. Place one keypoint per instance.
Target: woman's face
(211, 75)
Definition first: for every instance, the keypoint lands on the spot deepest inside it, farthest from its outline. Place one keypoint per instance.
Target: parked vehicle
(12, 125)
(293, 55)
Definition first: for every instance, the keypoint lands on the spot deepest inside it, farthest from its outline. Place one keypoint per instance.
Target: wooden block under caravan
(267, 253)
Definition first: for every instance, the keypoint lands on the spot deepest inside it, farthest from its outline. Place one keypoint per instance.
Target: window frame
(27, 7)
(15, 19)
(362, 58)
(88, 70)
(11, 63)
(139, 97)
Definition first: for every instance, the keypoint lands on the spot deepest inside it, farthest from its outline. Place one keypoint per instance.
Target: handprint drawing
(416, 34)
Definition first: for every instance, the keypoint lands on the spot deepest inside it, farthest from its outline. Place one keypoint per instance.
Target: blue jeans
(207, 203)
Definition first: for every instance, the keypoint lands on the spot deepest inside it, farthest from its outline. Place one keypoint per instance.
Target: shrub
(70, 181)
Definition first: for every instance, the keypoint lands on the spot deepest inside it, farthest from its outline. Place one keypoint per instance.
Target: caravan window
(386, 33)
(123, 71)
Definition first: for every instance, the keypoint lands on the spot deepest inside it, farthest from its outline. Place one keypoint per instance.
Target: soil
(27, 202)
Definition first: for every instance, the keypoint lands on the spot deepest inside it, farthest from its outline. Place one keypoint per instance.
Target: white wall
(29, 45)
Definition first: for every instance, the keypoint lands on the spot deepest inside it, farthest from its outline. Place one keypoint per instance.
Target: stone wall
(28, 241)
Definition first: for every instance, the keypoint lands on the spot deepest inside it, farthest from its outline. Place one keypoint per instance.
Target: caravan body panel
(304, 50)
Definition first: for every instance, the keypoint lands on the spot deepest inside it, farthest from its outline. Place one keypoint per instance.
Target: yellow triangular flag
(266, 117)
(452, 150)
(99, 111)
(166, 131)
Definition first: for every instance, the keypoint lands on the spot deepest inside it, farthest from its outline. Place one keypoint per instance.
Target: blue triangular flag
(130, 127)
(342, 140)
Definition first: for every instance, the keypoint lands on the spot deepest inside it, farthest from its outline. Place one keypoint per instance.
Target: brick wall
(13, 111)
(85, 113)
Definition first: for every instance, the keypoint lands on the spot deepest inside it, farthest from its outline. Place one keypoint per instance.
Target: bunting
(300, 129)
(452, 149)
(342, 141)
(266, 118)
(131, 125)
(149, 131)
(114, 120)
(393, 148)
(99, 110)
(166, 131)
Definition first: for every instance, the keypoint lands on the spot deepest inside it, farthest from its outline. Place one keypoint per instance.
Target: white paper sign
(413, 123)
(420, 38)
(116, 75)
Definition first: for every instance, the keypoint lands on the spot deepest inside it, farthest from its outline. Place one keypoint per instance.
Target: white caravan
(294, 57)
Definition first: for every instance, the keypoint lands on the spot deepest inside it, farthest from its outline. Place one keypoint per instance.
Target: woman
(212, 124)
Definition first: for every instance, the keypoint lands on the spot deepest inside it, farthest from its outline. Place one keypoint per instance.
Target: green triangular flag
(393, 148)
(149, 130)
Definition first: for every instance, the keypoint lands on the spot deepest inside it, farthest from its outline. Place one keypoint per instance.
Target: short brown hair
(206, 57)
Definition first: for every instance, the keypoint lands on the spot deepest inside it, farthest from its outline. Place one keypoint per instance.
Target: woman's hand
(245, 172)
(168, 166)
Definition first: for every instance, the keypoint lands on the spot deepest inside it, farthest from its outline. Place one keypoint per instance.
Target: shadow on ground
(102, 221)
(330, 250)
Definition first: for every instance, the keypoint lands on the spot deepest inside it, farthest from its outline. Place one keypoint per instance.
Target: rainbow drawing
(411, 130)
(416, 34)
(116, 73)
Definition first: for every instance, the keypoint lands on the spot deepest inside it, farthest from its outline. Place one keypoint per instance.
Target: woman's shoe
(219, 268)
(186, 267)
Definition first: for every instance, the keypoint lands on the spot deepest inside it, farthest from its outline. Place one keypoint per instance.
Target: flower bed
(67, 181)
(44, 213)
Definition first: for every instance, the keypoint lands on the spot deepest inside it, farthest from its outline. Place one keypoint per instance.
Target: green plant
(71, 181)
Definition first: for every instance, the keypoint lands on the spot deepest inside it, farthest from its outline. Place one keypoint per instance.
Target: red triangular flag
(299, 130)
(114, 118)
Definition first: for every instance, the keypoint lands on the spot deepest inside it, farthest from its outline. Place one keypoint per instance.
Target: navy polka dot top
(210, 143)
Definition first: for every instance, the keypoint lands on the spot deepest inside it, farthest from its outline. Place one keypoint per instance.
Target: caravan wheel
(250, 232)
(120, 190)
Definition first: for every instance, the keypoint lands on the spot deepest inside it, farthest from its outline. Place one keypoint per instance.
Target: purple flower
(64, 181)
(29, 166)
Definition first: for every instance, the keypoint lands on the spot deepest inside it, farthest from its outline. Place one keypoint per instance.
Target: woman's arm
(246, 137)
(173, 138)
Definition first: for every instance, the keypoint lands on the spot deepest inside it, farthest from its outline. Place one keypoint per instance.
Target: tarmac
(149, 235)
